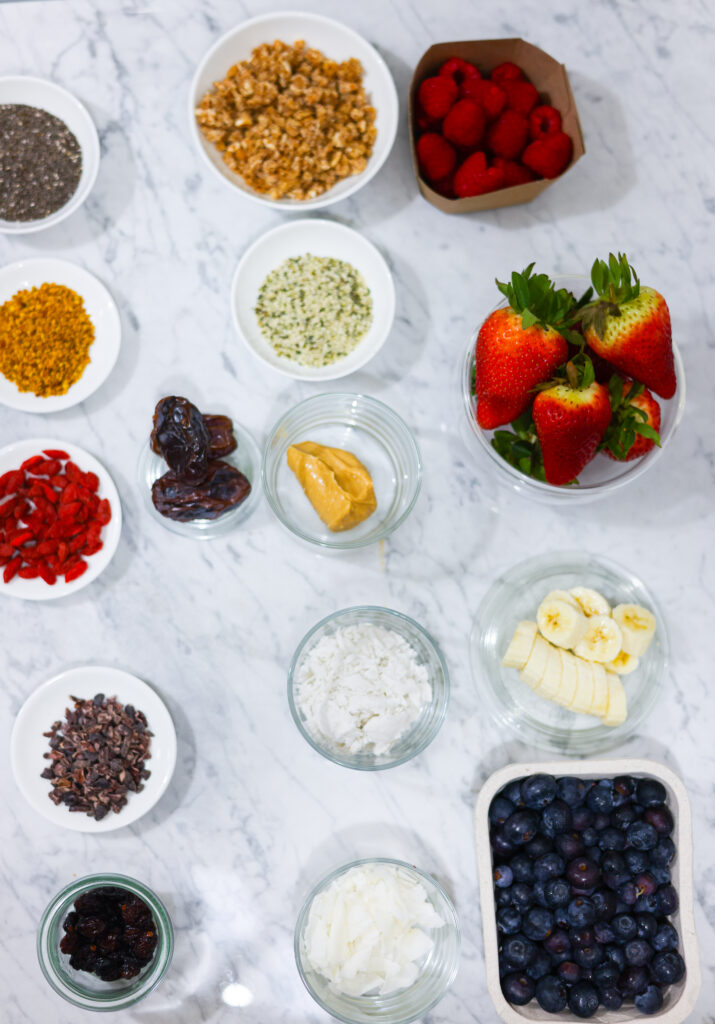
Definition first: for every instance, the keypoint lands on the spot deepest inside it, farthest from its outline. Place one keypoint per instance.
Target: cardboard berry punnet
(550, 79)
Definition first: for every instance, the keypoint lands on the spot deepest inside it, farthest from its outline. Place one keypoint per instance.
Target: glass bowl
(81, 987)
(375, 434)
(600, 477)
(437, 971)
(516, 595)
(246, 458)
(422, 731)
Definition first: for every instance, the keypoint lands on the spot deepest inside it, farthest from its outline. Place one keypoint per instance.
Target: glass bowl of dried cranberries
(104, 942)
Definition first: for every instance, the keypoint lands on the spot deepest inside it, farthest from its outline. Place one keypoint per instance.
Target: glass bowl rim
(385, 412)
(440, 695)
(412, 869)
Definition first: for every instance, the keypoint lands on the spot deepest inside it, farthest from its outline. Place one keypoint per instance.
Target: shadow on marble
(183, 775)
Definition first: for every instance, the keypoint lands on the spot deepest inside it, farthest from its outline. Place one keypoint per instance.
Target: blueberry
(605, 903)
(663, 853)
(660, 818)
(667, 967)
(623, 788)
(568, 972)
(650, 792)
(537, 791)
(513, 792)
(589, 956)
(645, 883)
(636, 860)
(638, 952)
(558, 942)
(628, 893)
(633, 980)
(583, 999)
(581, 912)
(667, 899)
(613, 863)
(538, 924)
(603, 933)
(648, 903)
(508, 920)
(600, 800)
(561, 917)
(521, 896)
(642, 835)
(504, 967)
(569, 845)
(572, 791)
(611, 999)
(538, 846)
(623, 816)
(548, 866)
(503, 897)
(518, 951)
(503, 876)
(556, 818)
(551, 994)
(661, 875)
(649, 1001)
(589, 837)
(523, 868)
(518, 988)
(501, 846)
(581, 818)
(582, 873)
(625, 928)
(539, 894)
(606, 975)
(540, 965)
(601, 820)
(557, 959)
(557, 892)
(611, 839)
(647, 926)
(615, 955)
(666, 938)
(521, 826)
(500, 809)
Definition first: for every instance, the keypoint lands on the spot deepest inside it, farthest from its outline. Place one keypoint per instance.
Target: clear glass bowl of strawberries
(571, 387)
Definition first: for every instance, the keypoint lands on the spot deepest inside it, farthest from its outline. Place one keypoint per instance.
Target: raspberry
(436, 95)
(445, 186)
(520, 95)
(549, 156)
(508, 134)
(506, 72)
(514, 173)
(459, 70)
(543, 121)
(489, 96)
(474, 177)
(422, 122)
(435, 156)
(465, 123)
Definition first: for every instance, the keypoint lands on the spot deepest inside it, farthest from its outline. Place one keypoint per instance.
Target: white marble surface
(253, 817)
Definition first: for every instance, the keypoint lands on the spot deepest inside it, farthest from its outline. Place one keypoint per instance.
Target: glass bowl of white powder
(368, 688)
(377, 942)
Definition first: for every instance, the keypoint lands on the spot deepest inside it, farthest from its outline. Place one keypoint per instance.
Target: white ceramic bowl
(12, 457)
(680, 998)
(337, 42)
(102, 311)
(38, 92)
(319, 238)
(47, 705)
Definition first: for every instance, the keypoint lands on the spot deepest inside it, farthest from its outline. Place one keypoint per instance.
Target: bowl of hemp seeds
(49, 154)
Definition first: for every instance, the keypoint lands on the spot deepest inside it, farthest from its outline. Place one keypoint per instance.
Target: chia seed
(40, 163)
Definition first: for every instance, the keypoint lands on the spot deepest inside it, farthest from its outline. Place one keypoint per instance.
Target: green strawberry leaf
(627, 420)
(520, 447)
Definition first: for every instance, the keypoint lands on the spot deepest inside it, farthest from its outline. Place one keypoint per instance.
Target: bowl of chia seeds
(49, 154)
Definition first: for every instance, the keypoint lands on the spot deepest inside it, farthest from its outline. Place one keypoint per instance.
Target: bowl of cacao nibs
(105, 942)
(93, 749)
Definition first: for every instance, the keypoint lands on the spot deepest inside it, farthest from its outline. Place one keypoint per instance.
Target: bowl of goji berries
(492, 123)
(60, 519)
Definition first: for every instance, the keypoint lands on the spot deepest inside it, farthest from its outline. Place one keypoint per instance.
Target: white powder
(365, 932)
(361, 688)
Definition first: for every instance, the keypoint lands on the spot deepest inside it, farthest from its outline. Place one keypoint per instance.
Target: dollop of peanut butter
(337, 484)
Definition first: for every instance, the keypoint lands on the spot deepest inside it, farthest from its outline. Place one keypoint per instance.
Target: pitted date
(182, 437)
(221, 437)
(223, 488)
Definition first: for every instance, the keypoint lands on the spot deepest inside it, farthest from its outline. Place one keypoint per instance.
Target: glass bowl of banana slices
(569, 651)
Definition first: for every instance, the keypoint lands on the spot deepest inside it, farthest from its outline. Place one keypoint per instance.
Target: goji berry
(73, 472)
(78, 542)
(13, 481)
(92, 549)
(45, 467)
(91, 481)
(47, 574)
(55, 453)
(47, 547)
(76, 571)
(62, 550)
(69, 494)
(49, 492)
(18, 539)
(34, 460)
(11, 569)
(104, 512)
(7, 550)
(59, 482)
(28, 572)
(69, 510)
(7, 507)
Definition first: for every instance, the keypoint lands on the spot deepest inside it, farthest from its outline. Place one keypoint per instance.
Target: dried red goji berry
(73, 472)
(47, 547)
(11, 569)
(62, 550)
(49, 492)
(59, 482)
(92, 549)
(7, 550)
(55, 453)
(7, 507)
(69, 510)
(91, 481)
(18, 539)
(78, 542)
(13, 481)
(104, 512)
(76, 571)
(47, 574)
(69, 494)
(28, 572)
(34, 460)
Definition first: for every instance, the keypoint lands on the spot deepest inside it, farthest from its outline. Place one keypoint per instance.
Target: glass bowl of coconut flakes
(368, 688)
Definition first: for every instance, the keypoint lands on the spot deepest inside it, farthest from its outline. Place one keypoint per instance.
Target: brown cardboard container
(548, 76)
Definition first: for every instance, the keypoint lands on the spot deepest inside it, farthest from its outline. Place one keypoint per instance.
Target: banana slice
(590, 601)
(533, 671)
(519, 649)
(623, 664)
(583, 698)
(599, 701)
(560, 623)
(569, 679)
(637, 625)
(602, 640)
(551, 679)
(562, 595)
(617, 710)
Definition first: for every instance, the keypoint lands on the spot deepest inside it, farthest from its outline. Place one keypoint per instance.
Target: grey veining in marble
(253, 816)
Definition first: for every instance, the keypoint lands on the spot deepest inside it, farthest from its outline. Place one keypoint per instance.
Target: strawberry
(518, 347)
(435, 156)
(436, 95)
(459, 70)
(635, 421)
(570, 422)
(520, 95)
(506, 72)
(514, 173)
(465, 123)
(474, 177)
(549, 156)
(544, 120)
(629, 325)
(508, 134)
(490, 96)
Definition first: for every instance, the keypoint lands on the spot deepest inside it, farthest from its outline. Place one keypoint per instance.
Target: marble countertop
(253, 816)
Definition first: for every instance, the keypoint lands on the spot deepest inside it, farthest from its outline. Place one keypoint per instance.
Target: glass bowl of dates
(199, 473)
(586, 888)
(514, 449)
(105, 942)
